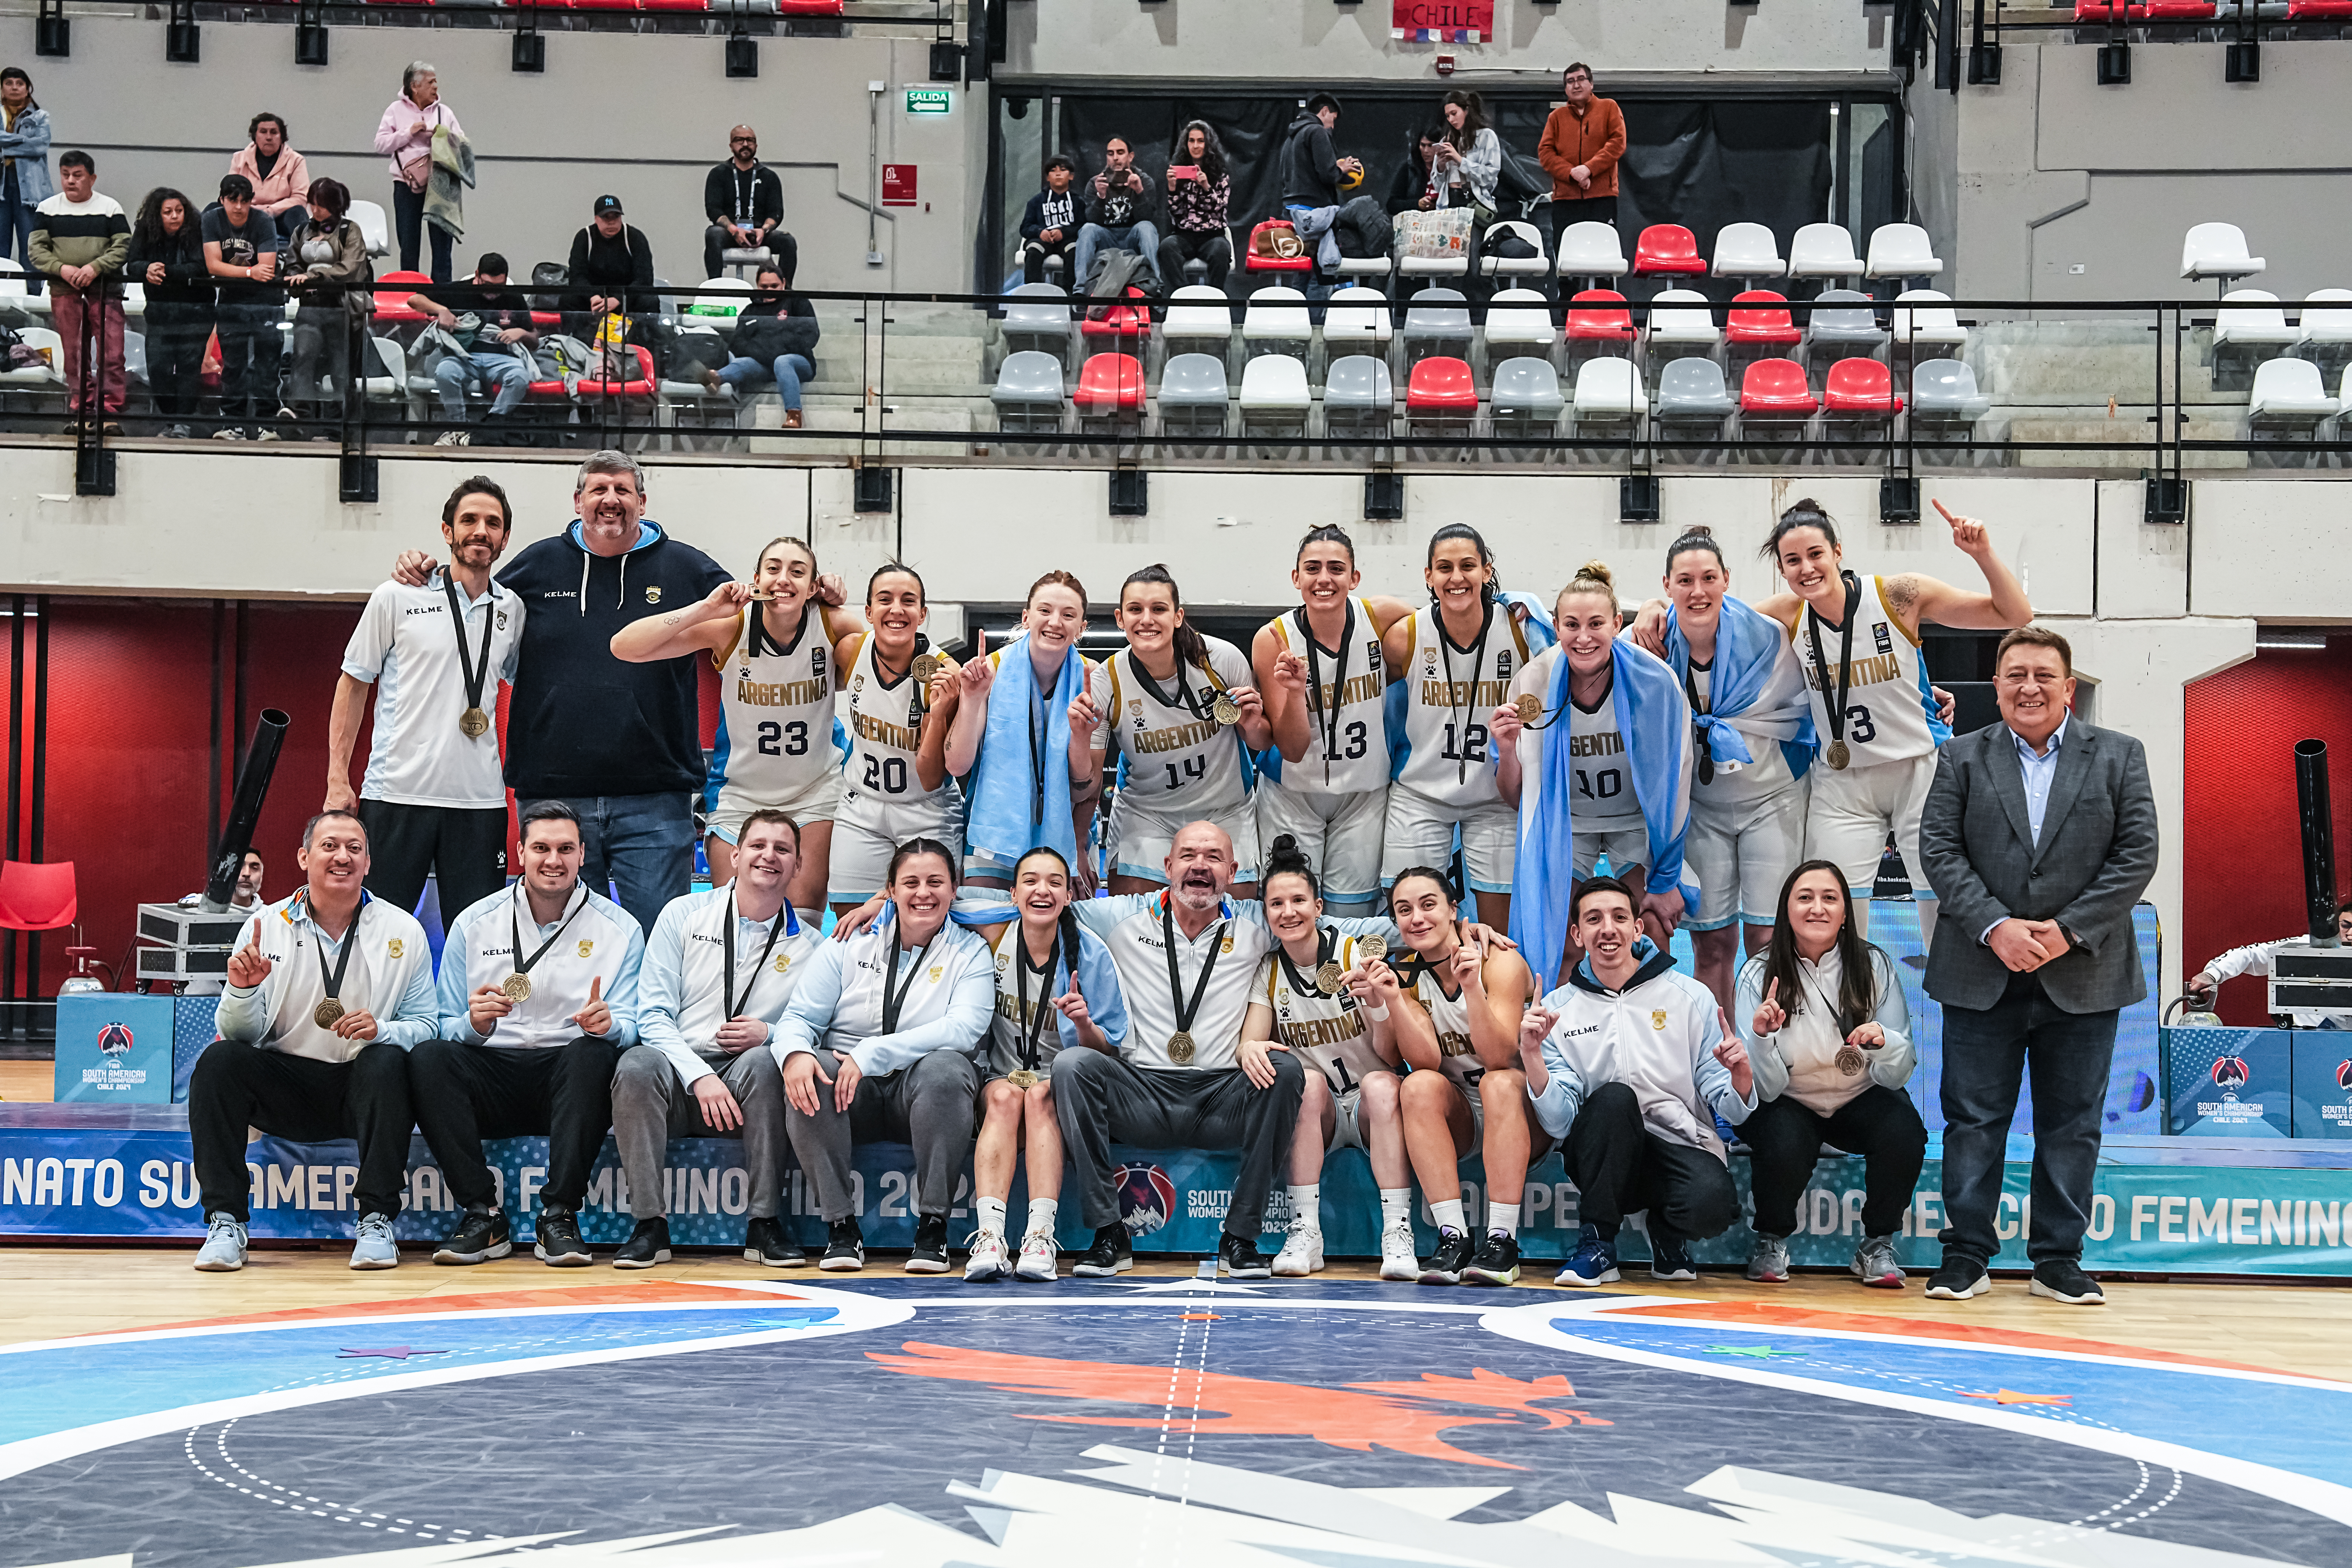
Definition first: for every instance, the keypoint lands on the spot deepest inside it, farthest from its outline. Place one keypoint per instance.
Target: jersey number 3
(783, 739)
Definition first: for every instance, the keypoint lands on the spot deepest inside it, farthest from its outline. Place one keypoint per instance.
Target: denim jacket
(28, 147)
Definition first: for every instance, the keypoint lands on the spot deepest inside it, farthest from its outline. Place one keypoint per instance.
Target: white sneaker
(1302, 1250)
(452, 438)
(224, 1249)
(1398, 1259)
(987, 1258)
(1041, 1259)
(375, 1248)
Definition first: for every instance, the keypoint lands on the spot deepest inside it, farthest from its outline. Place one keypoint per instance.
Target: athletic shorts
(1141, 835)
(818, 801)
(1627, 847)
(1740, 855)
(1347, 1122)
(869, 831)
(1420, 832)
(1338, 834)
(1852, 811)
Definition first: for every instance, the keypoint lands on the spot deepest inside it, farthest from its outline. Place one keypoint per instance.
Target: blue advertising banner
(114, 1050)
(2322, 1083)
(2231, 1083)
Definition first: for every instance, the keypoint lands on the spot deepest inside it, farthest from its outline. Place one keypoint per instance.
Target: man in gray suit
(2039, 836)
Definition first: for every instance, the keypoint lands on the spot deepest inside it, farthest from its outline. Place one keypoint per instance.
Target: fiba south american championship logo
(115, 1041)
(1147, 1198)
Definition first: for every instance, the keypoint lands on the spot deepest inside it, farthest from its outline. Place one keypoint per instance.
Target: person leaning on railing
(329, 275)
(80, 238)
(241, 248)
(167, 260)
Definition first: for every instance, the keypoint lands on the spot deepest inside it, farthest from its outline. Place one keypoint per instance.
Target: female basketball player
(1311, 997)
(1031, 779)
(1453, 663)
(1046, 966)
(1456, 1019)
(777, 747)
(902, 700)
(1179, 707)
(1325, 782)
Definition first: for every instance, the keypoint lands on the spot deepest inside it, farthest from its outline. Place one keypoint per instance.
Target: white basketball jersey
(1737, 786)
(1890, 709)
(1008, 1030)
(1604, 800)
(1330, 1032)
(880, 787)
(1450, 1015)
(1449, 695)
(775, 713)
(1348, 752)
(1178, 755)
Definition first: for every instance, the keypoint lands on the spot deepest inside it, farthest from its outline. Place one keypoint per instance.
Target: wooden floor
(26, 1080)
(50, 1293)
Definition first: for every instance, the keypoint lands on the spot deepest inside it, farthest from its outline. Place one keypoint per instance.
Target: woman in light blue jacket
(24, 182)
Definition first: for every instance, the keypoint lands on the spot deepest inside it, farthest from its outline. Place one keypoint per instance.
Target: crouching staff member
(326, 992)
(1630, 1062)
(2256, 958)
(1833, 1051)
(539, 999)
(1045, 968)
(719, 969)
(878, 1043)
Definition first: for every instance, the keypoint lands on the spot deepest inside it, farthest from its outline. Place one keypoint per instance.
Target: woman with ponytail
(895, 785)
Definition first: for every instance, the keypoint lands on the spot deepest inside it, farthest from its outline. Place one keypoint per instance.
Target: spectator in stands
(280, 175)
(1050, 227)
(745, 203)
(1582, 142)
(1122, 204)
(329, 274)
(615, 262)
(1411, 190)
(405, 135)
(79, 241)
(1312, 168)
(775, 337)
(24, 181)
(497, 346)
(1199, 192)
(167, 260)
(1467, 158)
(241, 250)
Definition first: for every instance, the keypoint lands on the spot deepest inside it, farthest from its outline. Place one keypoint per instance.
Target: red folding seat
(1667, 250)
(639, 385)
(1110, 384)
(1252, 262)
(1442, 388)
(391, 292)
(1860, 386)
(1776, 389)
(2104, 11)
(1598, 315)
(1760, 321)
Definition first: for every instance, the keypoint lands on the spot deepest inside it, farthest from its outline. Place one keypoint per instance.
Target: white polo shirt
(405, 646)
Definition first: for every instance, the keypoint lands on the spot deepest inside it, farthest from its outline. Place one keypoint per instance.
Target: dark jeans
(1785, 1139)
(408, 221)
(927, 1106)
(466, 849)
(1179, 247)
(304, 1100)
(248, 344)
(643, 845)
(1986, 1053)
(177, 332)
(466, 1093)
(1032, 259)
(1621, 1167)
(1098, 1096)
(1587, 209)
(781, 245)
(18, 221)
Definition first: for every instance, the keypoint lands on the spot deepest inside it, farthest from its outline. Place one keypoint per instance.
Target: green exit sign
(930, 99)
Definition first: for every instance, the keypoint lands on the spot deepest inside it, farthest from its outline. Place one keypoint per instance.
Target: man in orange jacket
(1582, 144)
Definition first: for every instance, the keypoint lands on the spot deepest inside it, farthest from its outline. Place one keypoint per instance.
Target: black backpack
(550, 275)
(689, 354)
(1522, 180)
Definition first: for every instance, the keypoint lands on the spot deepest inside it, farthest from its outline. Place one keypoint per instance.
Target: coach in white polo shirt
(537, 1000)
(326, 992)
(432, 799)
(720, 968)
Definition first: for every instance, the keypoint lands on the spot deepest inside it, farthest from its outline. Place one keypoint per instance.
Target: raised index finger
(1940, 507)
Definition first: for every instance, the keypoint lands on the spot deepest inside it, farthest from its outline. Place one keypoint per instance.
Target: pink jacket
(396, 142)
(288, 183)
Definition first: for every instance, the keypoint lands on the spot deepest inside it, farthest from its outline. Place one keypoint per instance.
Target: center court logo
(1146, 1198)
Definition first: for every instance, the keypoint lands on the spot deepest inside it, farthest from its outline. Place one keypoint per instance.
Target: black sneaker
(1455, 1251)
(1670, 1255)
(930, 1253)
(2062, 1279)
(1112, 1253)
(559, 1244)
(1240, 1258)
(764, 1241)
(844, 1247)
(1960, 1277)
(480, 1236)
(647, 1245)
(1496, 1263)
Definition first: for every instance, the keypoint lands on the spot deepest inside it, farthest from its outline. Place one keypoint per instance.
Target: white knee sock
(1042, 1215)
(992, 1214)
(1504, 1217)
(1396, 1203)
(1307, 1203)
(1447, 1213)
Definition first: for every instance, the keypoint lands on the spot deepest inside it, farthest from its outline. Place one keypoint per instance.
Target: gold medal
(1838, 756)
(1372, 948)
(1327, 976)
(1850, 1060)
(474, 722)
(926, 666)
(1530, 707)
(325, 1014)
(1023, 1077)
(517, 987)
(1225, 710)
(1180, 1046)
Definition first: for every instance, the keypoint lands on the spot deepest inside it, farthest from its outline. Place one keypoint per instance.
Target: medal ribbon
(1031, 1022)
(475, 672)
(894, 995)
(736, 1003)
(333, 979)
(1845, 654)
(1325, 940)
(1037, 753)
(1477, 663)
(1699, 732)
(1185, 1010)
(514, 923)
(1339, 680)
(1186, 698)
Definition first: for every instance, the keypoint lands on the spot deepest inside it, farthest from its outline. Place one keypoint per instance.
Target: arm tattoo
(1903, 592)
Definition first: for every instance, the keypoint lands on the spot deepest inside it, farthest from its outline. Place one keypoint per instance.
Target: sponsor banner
(131, 1184)
(114, 1050)
(2231, 1083)
(2322, 1083)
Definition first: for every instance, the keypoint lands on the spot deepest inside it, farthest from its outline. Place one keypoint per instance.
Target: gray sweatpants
(928, 1105)
(650, 1106)
(1098, 1096)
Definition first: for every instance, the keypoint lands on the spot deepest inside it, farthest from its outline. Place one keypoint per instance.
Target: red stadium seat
(1859, 386)
(1110, 384)
(37, 895)
(1776, 388)
(546, 318)
(1120, 320)
(1598, 315)
(1252, 262)
(1761, 322)
(1441, 385)
(641, 386)
(673, 4)
(2104, 11)
(808, 7)
(2317, 10)
(2185, 10)
(1667, 249)
(391, 292)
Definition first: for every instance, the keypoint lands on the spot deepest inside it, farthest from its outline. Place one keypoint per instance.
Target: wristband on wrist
(1379, 1015)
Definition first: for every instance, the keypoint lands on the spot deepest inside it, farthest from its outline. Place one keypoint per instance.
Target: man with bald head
(745, 203)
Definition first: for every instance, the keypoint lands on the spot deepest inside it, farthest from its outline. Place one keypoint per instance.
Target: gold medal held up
(926, 665)
(517, 987)
(1850, 1060)
(1372, 948)
(1838, 756)
(1327, 976)
(1180, 1046)
(1022, 1078)
(474, 722)
(1225, 711)
(325, 1014)
(1530, 707)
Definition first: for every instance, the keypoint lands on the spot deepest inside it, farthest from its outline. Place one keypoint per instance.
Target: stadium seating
(1759, 317)
(731, 294)
(1747, 250)
(1200, 320)
(1902, 250)
(1357, 318)
(1441, 397)
(1493, 266)
(391, 292)
(1824, 250)
(1121, 328)
(1253, 264)
(1932, 324)
(1110, 387)
(1037, 318)
(1607, 393)
(2326, 325)
(2218, 250)
(1599, 316)
(374, 227)
(1192, 394)
(1357, 396)
(1590, 251)
(1527, 397)
(2289, 394)
(1437, 322)
(383, 380)
(1692, 392)
(1276, 323)
(1028, 392)
(43, 376)
(2251, 318)
(1681, 318)
(1275, 399)
(1665, 250)
(1944, 392)
(1774, 390)
(1518, 321)
(1860, 390)
(1844, 320)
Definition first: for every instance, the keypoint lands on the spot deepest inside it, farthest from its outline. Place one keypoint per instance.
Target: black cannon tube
(2319, 840)
(245, 809)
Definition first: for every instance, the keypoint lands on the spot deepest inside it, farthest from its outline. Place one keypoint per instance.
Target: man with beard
(434, 655)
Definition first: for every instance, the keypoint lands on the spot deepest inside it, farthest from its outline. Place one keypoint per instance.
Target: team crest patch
(1135, 706)
(392, 948)
(652, 593)
(816, 660)
(857, 686)
(1226, 945)
(1657, 1017)
(936, 970)
(586, 948)
(783, 962)
(502, 620)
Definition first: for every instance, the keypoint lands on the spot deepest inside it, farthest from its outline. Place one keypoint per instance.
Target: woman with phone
(1200, 192)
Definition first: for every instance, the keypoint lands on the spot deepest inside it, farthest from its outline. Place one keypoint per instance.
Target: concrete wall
(641, 116)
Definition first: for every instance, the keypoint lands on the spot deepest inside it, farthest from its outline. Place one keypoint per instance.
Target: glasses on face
(2026, 678)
